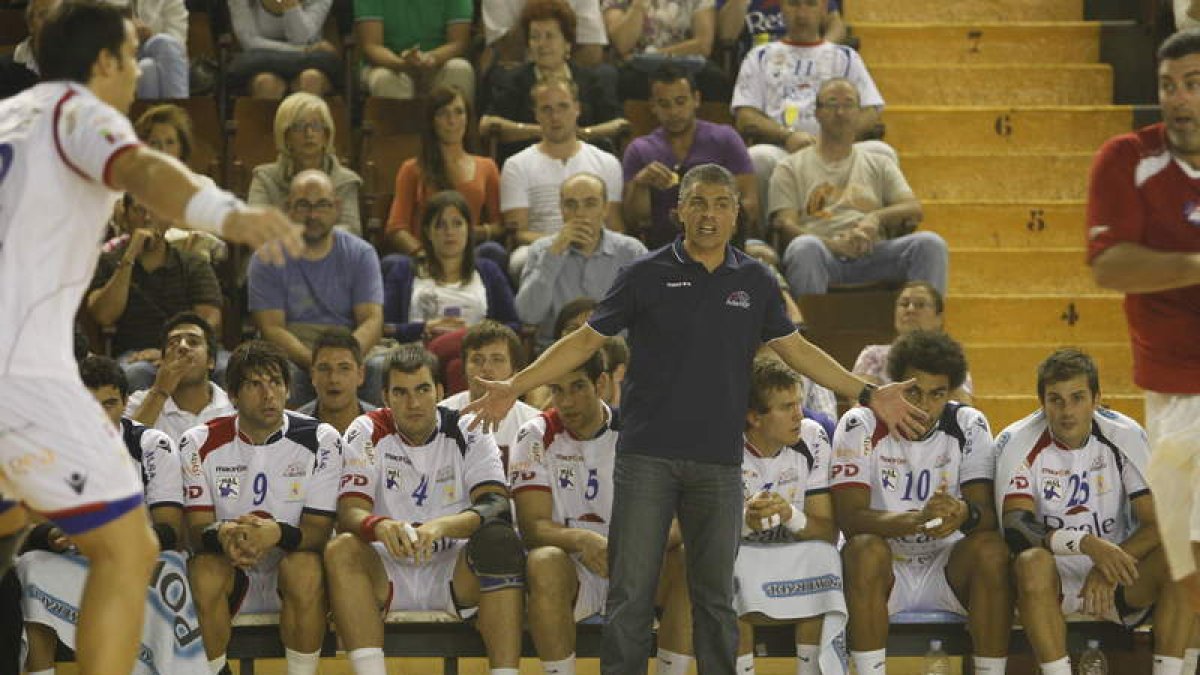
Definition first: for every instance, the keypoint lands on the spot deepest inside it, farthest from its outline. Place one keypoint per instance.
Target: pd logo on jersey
(227, 487)
(739, 299)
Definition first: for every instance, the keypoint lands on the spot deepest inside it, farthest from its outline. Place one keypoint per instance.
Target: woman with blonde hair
(304, 137)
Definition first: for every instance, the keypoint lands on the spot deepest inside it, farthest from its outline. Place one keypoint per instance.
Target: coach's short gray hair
(711, 174)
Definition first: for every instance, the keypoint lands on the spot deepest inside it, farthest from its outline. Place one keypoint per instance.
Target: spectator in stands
(143, 283)
(409, 47)
(774, 100)
(282, 48)
(749, 23)
(582, 259)
(841, 210)
(492, 351)
(573, 315)
(446, 163)
(335, 282)
(508, 111)
(530, 179)
(304, 138)
(337, 373)
(183, 395)
(507, 36)
(162, 28)
(654, 163)
(642, 32)
(1187, 14)
(918, 307)
(261, 497)
(19, 70)
(449, 289)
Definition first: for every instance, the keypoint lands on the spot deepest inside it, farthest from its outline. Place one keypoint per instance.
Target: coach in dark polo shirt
(695, 311)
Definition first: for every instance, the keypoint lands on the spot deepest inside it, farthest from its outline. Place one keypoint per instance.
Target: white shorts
(592, 596)
(256, 590)
(1175, 419)
(60, 455)
(921, 585)
(1072, 572)
(424, 587)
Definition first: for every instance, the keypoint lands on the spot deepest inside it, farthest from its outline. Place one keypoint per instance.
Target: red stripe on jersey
(880, 433)
(75, 511)
(554, 426)
(382, 423)
(358, 495)
(221, 431)
(523, 488)
(109, 162)
(57, 141)
(842, 486)
(1043, 442)
(201, 507)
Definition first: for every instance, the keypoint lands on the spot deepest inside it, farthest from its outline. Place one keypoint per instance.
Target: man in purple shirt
(654, 163)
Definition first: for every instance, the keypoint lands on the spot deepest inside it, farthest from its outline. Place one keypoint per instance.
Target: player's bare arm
(1134, 268)
(535, 513)
(1023, 529)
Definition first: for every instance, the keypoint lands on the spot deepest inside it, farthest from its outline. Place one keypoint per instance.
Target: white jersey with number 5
(417, 483)
(57, 145)
(902, 475)
(577, 472)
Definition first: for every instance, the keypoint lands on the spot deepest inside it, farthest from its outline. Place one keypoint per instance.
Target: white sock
(1167, 665)
(564, 667)
(670, 663)
(215, 665)
(990, 665)
(806, 660)
(367, 661)
(1059, 667)
(48, 671)
(870, 663)
(1191, 656)
(745, 664)
(299, 663)
(504, 671)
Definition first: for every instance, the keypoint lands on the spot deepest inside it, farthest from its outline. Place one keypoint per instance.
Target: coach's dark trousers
(708, 499)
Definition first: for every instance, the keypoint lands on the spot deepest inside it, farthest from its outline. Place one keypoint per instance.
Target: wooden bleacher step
(1041, 318)
(1021, 272)
(1003, 369)
(941, 11)
(979, 43)
(1002, 129)
(1006, 225)
(1035, 178)
(995, 84)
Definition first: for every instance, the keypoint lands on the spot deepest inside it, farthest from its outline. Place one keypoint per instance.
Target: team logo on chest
(295, 470)
(227, 487)
(566, 478)
(889, 478)
(1052, 489)
(393, 479)
(739, 299)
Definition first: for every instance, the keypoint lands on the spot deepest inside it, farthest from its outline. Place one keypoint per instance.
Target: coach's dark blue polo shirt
(692, 339)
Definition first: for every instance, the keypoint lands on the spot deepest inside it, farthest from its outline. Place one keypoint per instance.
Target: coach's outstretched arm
(172, 191)
(562, 357)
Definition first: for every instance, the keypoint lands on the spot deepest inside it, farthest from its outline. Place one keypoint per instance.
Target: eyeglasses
(301, 127)
(305, 206)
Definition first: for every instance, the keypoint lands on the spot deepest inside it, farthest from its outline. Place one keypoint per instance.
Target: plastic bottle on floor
(1092, 661)
(936, 660)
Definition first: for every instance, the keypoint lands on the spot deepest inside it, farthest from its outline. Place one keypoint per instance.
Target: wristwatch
(864, 396)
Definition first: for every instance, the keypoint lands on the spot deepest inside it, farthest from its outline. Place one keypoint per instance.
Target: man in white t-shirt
(261, 492)
(502, 30)
(425, 520)
(561, 474)
(530, 179)
(66, 153)
(918, 512)
(492, 351)
(1080, 518)
(836, 204)
(774, 100)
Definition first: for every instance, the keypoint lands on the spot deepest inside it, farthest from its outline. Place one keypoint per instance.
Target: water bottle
(936, 660)
(1092, 661)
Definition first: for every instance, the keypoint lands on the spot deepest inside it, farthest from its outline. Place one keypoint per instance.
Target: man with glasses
(335, 282)
(835, 206)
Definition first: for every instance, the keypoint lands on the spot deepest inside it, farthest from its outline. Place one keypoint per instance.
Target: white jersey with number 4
(902, 475)
(57, 145)
(795, 472)
(578, 473)
(417, 483)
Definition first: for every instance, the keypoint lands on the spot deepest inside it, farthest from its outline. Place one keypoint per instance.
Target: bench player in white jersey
(425, 521)
(1078, 514)
(919, 513)
(261, 497)
(157, 461)
(561, 474)
(66, 153)
(788, 530)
